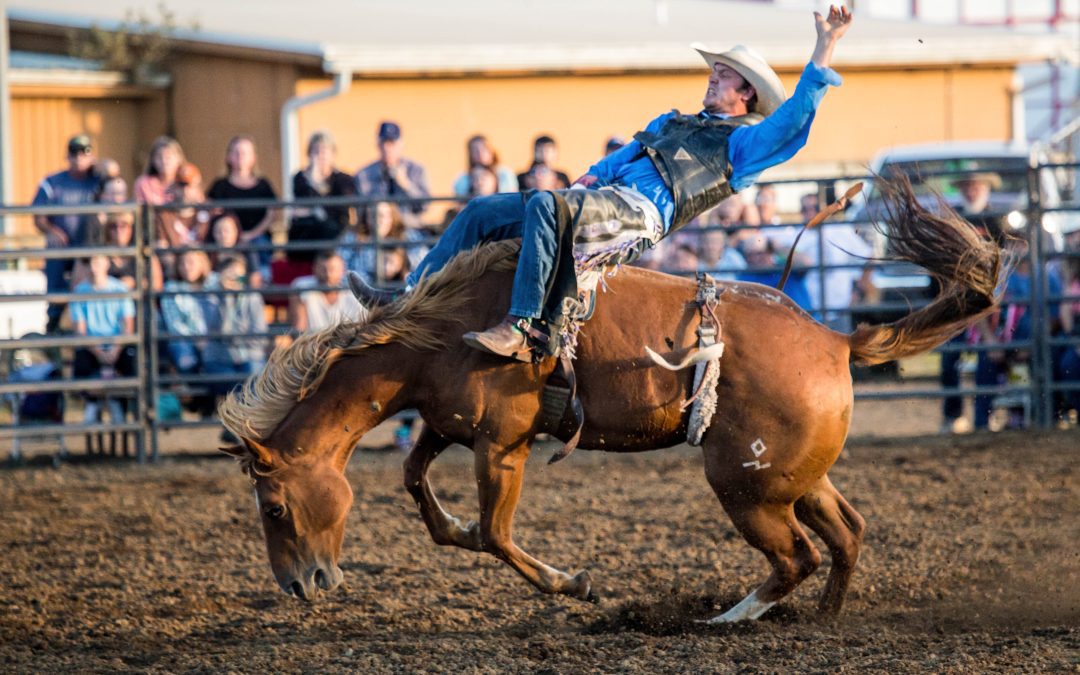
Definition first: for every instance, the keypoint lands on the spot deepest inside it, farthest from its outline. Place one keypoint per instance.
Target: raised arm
(829, 30)
(776, 139)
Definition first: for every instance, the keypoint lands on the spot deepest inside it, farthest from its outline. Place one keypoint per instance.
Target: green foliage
(140, 46)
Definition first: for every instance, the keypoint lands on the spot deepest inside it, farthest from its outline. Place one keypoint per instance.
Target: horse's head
(302, 502)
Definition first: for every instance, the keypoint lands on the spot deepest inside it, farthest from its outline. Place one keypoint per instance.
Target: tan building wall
(215, 98)
(872, 110)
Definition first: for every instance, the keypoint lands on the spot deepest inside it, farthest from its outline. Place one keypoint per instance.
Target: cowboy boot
(370, 296)
(505, 339)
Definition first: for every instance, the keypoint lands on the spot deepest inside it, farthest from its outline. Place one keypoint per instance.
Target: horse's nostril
(297, 589)
(321, 580)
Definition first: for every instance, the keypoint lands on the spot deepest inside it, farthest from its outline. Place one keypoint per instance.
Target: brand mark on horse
(758, 448)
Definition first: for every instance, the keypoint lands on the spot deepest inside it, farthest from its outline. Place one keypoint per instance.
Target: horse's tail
(965, 265)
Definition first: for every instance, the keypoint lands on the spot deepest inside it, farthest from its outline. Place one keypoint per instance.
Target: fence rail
(146, 386)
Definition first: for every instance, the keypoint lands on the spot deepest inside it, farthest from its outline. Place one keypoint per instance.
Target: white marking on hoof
(758, 466)
(750, 609)
(758, 448)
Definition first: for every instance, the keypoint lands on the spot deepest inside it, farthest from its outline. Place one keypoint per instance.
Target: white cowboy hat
(989, 177)
(749, 64)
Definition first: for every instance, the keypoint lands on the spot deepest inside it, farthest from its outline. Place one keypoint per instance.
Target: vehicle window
(928, 176)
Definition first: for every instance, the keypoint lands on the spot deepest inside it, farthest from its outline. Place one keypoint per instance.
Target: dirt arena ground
(970, 565)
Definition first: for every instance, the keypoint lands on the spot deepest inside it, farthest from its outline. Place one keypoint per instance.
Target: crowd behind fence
(151, 393)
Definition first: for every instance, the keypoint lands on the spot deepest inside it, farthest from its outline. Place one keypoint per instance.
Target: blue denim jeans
(497, 217)
(952, 407)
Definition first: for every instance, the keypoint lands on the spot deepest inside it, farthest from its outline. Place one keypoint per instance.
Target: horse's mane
(256, 408)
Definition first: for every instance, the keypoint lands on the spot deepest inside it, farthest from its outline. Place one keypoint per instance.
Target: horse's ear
(250, 450)
(261, 453)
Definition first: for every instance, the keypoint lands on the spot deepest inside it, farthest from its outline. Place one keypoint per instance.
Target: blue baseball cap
(389, 131)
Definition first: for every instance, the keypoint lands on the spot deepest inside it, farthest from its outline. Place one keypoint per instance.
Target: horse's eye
(276, 511)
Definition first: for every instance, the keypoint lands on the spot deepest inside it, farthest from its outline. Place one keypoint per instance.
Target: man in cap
(975, 189)
(678, 167)
(73, 186)
(395, 176)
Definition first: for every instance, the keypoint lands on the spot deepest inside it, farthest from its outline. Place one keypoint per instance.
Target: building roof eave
(196, 41)
(663, 57)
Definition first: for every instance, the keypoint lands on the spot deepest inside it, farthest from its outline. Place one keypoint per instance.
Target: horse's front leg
(499, 474)
(445, 529)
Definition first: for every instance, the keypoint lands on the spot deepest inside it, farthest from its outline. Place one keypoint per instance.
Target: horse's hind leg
(826, 512)
(499, 475)
(773, 530)
(445, 529)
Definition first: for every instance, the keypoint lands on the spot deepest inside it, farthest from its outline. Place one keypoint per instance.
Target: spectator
(975, 189)
(1012, 323)
(683, 257)
(225, 234)
(166, 158)
(190, 224)
(763, 267)
(116, 229)
(313, 309)
(104, 318)
(119, 230)
(365, 260)
(837, 288)
(244, 182)
(395, 265)
(74, 186)
(319, 179)
(395, 176)
(541, 177)
(765, 201)
(105, 169)
(809, 205)
(975, 192)
(482, 181)
(717, 258)
(1068, 357)
(737, 219)
(480, 152)
(233, 313)
(545, 154)
(614, 143)
(156, 187)
(112, 190)
(184, 313)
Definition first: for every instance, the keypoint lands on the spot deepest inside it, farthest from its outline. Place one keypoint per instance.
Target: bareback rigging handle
(814, 222)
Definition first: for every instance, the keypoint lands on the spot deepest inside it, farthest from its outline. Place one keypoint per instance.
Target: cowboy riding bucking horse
(677, 168)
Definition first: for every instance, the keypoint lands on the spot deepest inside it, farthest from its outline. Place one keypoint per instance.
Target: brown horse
(785, 401)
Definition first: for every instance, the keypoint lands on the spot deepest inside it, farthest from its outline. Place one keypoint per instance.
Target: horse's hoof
(476, 539)
(584, 584)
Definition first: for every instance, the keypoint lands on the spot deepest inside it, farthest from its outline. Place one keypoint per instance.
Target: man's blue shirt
(751, 149)
(63, 189)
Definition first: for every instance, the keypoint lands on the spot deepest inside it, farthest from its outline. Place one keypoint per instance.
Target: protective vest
(691, 154)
